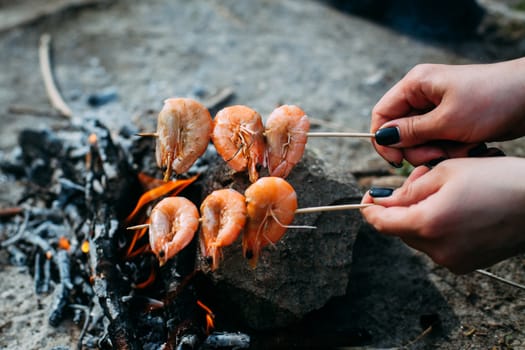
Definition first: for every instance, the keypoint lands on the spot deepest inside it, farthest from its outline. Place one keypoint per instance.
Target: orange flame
(148, 281)
(63, 243)
(92, 138)
(167, 187)
(85, 247)
(210, 317)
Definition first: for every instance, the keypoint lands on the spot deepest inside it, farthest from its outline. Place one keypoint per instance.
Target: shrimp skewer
(183, 133)
(174, 221)
(238, 137)
(286, 132)
(223, 216)
(286, 135)
(271, 204)
(271, 207)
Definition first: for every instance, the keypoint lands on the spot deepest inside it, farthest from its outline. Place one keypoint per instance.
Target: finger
(416, 174)
(392, 155)
(425, 183)
(414, 130)
(434, 152)
(397, 221)
(429, 154)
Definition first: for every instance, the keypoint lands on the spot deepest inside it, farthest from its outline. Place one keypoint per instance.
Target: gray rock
(303, 270)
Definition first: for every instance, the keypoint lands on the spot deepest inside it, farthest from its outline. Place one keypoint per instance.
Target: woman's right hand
(446, 111)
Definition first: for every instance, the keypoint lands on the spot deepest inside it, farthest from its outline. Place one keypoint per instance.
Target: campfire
(86, 227)
(86, 190)
(81, 190)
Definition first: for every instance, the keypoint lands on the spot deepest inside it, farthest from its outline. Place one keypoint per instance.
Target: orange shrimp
(238, 137)
(271, 205)
(174, 221)
(223, 215)
(183, 133)
(286, 135)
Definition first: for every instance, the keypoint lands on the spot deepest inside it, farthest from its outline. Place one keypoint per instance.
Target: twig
(45, 68)
(12, 211)
(30, 110)
(501, 279)
(19, 234)
(419, 337)
(85, 310)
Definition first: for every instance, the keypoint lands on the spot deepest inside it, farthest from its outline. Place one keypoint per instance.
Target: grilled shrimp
(174, 221)
(238, 137)
(271, 204)
(183, 133)
(223, 215)
(286, 135)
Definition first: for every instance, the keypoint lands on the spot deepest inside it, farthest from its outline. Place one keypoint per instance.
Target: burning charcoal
(63, 263)
(40, 172)
(59, 305)
(187, 342)
(42, 274)
(62, 292)
(39, 144)
(218, 340)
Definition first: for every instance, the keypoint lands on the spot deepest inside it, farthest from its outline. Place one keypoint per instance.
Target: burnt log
(304, 270)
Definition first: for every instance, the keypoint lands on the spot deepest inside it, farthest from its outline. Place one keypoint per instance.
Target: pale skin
(465, 213)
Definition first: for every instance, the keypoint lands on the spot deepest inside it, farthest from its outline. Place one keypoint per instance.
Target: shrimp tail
(252, 169)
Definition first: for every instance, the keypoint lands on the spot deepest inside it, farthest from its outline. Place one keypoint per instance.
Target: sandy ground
(334, 65)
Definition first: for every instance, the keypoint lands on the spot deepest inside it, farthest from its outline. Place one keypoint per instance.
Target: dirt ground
(332, 63)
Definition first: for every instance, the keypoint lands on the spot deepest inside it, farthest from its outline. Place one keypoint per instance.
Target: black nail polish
(379, 192)
(478, 151)
(387, 136)
(435, 162)
(396, 165)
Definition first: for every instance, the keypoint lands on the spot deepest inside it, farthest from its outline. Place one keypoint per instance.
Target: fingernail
(396, 165)
(379, 192)
(387, 136)
(435, 162)
(478, 151)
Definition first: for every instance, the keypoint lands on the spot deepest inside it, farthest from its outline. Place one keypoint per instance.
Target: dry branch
(47, 74)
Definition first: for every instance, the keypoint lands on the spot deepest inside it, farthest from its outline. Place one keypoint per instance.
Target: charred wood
(63, 289)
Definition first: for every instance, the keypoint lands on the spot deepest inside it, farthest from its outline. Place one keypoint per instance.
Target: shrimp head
(271, 204)
(238, 137)
(286, 135)
(223, 215)
(183, 133)
(174, 221)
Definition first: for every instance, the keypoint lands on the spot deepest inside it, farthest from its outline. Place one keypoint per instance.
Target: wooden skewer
(332, 208)
(341, 134)
(310, 134)
(298, 211)
(147, 134)
(137, 227)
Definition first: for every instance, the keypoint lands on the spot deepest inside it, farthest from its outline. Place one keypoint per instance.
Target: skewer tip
(137, 227)
(147, 134)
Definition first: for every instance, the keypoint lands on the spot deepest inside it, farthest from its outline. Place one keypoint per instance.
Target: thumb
(413, 130)
(422, 183)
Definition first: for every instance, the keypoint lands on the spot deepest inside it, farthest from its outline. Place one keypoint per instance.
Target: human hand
(464, 213)
(444, 111)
